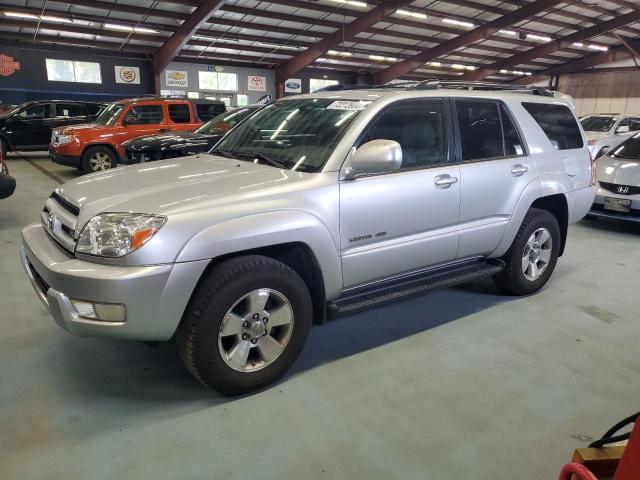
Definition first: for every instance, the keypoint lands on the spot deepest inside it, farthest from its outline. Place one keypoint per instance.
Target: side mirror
(623, 129)
(376, 156)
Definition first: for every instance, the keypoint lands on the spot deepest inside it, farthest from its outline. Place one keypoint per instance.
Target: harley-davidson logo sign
(8, 66)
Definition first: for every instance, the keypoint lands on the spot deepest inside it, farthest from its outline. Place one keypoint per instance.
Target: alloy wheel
(255, 330)
(537, 254)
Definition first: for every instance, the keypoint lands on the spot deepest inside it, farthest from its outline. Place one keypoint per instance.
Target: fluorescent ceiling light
(127, 28)
(52, 18)
(342, 54)
(46, 18)
(380, 58)
(353, 3)
(600, 48)
(578, 44)
(457, 66)
(435, 64)
(283, 47)
(504, 71)
(409, 13)
(458, 23)
(517, 72)
(470, 67)
(542, 38)
(528, 74)
(508, 32)
(21, 15)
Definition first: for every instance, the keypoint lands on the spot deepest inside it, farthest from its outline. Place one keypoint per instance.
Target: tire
(3, 148)
(97, 159)
(208, 345)
(514, 279)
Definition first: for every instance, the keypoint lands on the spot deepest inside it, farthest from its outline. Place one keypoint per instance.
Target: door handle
(519, 169)
(445, 181)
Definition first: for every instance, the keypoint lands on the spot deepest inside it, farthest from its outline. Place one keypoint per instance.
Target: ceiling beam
(559, 44)
(181, 36)
(614, 54)
(472, 36)
(348, 32)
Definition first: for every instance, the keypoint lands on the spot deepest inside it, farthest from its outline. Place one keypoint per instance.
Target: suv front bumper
(155, 296)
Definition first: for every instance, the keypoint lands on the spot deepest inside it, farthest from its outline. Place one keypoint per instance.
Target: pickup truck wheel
(246, 324)
(533, 254)
(97, 159)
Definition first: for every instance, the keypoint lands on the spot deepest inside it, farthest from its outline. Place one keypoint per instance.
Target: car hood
(77, 128)
(595, 135)
(173, 186)
(618, 171)
(159, 142)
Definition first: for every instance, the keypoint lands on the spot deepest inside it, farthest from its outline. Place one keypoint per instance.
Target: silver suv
(317, 204)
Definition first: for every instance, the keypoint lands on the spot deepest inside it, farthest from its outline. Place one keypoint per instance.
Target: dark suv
(28, 126)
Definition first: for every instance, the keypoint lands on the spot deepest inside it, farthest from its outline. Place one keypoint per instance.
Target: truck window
(144, 115)
(179, 113)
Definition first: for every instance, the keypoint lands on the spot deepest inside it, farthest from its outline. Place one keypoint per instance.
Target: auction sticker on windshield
(348, 105)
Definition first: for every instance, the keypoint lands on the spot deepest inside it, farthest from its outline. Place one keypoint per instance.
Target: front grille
(59, 218)
(620, 189)
(44, 286)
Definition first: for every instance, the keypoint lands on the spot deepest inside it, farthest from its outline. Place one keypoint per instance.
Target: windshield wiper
(224, 153)
(263, 158)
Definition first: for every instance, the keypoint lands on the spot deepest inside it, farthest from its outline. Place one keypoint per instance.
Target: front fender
(267, 229)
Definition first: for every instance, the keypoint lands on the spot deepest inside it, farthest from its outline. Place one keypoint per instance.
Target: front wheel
(533, 254)
(97, 159)
(246, 324)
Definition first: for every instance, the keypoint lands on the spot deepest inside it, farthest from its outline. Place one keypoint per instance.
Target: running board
(410, 285)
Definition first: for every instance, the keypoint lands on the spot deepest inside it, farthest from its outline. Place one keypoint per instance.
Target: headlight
(117, 234)
(62, 139)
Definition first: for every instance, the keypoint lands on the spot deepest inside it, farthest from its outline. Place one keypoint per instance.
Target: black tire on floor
(98, 151)
(512, 279)
(224, 285)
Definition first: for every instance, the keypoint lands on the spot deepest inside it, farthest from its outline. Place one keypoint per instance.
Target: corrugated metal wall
(607, 92)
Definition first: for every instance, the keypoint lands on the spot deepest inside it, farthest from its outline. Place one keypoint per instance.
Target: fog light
(104, 312)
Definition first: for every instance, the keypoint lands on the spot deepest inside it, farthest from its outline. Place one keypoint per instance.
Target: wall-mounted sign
(176, 78)
(8, 66)
(293, 85)
(219, 69)
(211, 68)
(127, 75)
(256, 83)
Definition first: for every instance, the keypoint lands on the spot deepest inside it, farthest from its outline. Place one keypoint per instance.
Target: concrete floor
(462, 383)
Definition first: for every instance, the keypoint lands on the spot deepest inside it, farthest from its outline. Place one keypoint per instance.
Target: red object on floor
(580, 471)
(629, 465)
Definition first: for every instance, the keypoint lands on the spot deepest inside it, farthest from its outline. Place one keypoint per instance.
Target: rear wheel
(246, 324)
(97, 159)
(533, 254)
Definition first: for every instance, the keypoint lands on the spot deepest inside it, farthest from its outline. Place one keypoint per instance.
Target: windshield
(109, 115)
(629, 150)
(13, 110)
(597, 124)
(300, 134)
(225, 121)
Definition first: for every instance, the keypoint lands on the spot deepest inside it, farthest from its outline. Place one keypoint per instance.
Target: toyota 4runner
(316, 204)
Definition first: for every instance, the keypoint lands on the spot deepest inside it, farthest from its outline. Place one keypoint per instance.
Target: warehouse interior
(462, 382)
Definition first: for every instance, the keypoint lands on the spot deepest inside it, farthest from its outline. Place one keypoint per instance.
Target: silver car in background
(618, 183)
(606, 131)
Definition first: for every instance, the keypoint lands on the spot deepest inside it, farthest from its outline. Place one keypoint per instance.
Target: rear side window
(558, 123)
(94, 108)
(70, 110)
(144, 115)
(179, 113)
(632, 123)
(208, 111)
(482, 134)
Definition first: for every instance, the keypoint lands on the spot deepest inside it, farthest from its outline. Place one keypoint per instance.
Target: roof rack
(483, 86)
